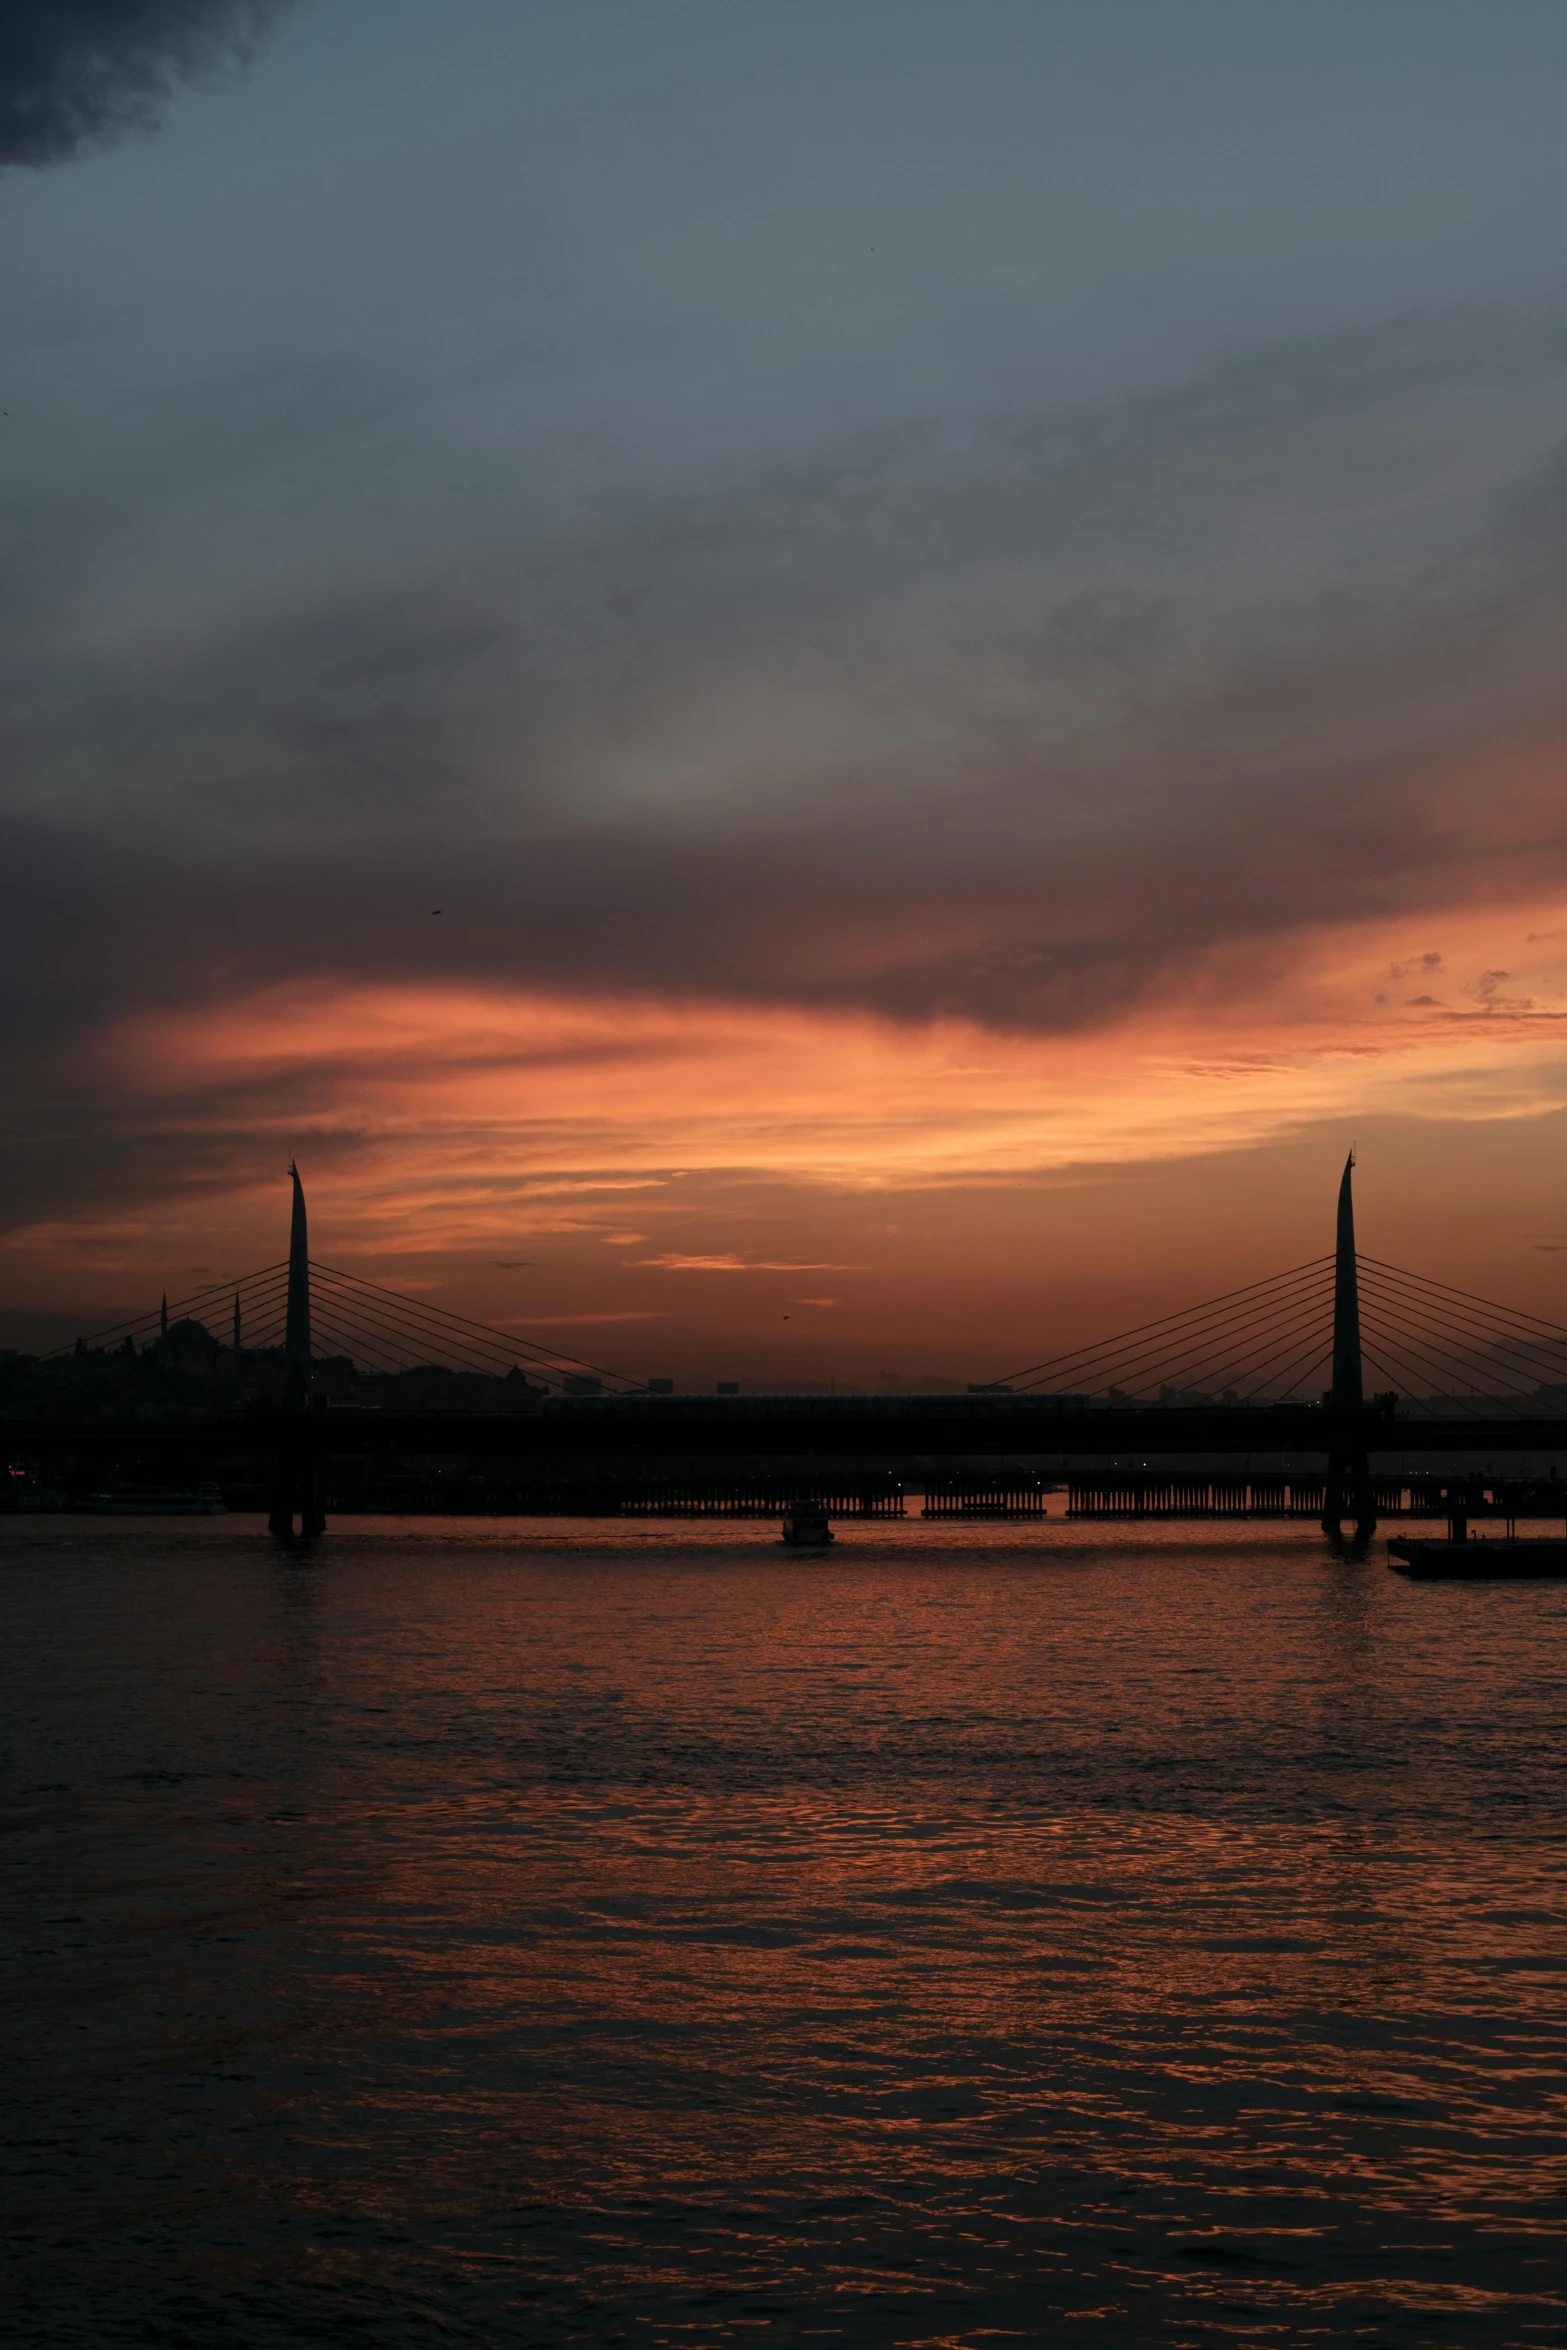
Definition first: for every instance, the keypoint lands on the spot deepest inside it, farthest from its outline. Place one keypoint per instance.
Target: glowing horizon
(440, 1125)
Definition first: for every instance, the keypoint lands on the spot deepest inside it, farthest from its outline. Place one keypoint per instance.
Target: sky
(829, 690)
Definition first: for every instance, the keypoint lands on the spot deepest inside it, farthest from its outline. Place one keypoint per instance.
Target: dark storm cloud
(76, 75)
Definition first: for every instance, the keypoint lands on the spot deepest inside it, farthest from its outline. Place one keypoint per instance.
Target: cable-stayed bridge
(315, 1363)
(1439, 1349)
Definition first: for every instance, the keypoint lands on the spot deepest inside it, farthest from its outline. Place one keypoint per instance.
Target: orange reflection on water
(971, 1924)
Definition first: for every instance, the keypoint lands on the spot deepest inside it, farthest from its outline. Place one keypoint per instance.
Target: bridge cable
(503, 1341)
(1397, 1330)
(1557, 1330)
(1162, 1323)
(1185, 1338)
(375, 1317)
(1530, 1354)
(419, 1336)
(1482, 1364)
(1206, 1336)
(1254, 1344)
(355, 1345)
(1313, 1357)
(1306, 1346)
(1175, 1338)
(218, 1295)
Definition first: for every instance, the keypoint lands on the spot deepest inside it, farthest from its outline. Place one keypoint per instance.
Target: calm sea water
(487, 1934)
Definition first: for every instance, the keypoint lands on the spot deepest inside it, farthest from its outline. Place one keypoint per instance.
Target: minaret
(163, 1316)
(1347, 1385)
(237, 1334)
(296, 1342)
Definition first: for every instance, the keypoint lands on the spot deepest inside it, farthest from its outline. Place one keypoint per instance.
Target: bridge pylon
(1349, 1491)
(296, 1483)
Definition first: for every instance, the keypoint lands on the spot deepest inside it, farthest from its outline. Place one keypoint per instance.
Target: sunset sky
(800, 690)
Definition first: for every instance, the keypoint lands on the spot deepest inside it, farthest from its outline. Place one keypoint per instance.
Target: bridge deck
(883, 1428)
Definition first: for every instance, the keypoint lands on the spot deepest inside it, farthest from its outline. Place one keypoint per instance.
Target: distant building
(189, 1348)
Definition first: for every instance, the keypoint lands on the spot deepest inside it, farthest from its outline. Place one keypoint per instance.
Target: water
(494, 1935)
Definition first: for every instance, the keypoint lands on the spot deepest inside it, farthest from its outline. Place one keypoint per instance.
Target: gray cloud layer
(1030, 730)
(76, 75)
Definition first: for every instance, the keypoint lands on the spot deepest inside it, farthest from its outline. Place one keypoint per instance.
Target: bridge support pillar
(1349, 1494)
(296, 1494)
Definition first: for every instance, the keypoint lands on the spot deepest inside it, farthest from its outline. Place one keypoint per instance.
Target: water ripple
(593, 1934)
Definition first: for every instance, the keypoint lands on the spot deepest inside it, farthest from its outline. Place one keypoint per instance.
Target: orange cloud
(675, 1263)
(477, 1095)
(512, 1126)
(445, 1118)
